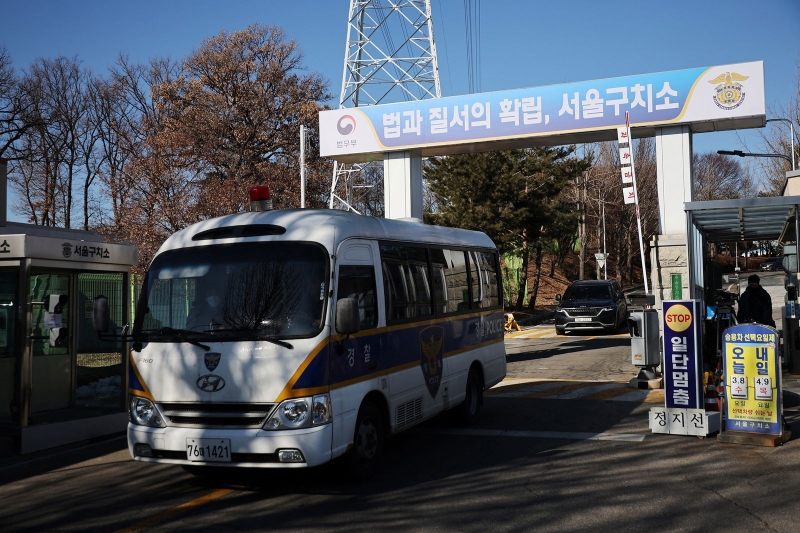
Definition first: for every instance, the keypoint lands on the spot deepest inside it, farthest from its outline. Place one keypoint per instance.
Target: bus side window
(359, 282)
(455, 274)
(487, 264)
(475, 282)
(438, 265)
(395, 291)
(418, 271)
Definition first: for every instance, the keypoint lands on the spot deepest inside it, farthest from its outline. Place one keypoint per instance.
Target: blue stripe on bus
(398, 346)
(316, 373)
(133, 379)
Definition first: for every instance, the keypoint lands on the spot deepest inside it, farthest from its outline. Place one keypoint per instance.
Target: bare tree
(776, 138)
(717, 177)
(15, 107)
(604, 187)
(57, 91)
(237, 108)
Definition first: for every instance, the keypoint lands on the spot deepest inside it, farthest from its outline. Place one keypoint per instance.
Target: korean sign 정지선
(752, 386)
(682, 363)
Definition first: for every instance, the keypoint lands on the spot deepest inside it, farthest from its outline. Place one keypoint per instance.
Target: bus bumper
(253, 448)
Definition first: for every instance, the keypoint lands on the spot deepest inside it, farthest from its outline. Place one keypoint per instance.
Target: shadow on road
(569, 346)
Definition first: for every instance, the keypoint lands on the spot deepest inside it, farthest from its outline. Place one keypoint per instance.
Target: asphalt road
(562, 445)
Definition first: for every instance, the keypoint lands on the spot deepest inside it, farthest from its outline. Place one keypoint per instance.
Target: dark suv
(591, 305)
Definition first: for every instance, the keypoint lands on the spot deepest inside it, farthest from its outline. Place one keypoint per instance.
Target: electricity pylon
(390, 56)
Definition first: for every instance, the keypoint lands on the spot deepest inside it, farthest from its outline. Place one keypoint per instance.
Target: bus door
(360, 358)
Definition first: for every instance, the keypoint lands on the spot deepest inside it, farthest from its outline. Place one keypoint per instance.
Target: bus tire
(467, 412)
(367, 451)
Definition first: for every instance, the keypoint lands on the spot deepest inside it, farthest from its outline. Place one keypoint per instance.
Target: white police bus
(287, 338)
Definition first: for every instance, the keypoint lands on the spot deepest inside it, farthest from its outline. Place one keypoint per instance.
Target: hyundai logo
(346, 125)
(210, 383)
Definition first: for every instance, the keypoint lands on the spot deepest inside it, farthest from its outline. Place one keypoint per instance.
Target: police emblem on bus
(210, 383)
(211, 359)
(66, 249)
(729, 94)
(431, 348)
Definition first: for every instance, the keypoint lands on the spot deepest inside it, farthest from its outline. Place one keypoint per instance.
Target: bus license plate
(583, 319)
(209, 450)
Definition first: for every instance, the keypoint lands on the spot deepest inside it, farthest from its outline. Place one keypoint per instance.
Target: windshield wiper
(180, 334)
(256, 335)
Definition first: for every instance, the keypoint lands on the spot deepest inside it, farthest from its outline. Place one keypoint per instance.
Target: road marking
(574, 390)
(534, 333)
(567, 391)
(571, 435)
(626, 393)
(166, 515)
(549, 332)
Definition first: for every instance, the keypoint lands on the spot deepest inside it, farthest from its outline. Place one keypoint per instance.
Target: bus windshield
(232, 292)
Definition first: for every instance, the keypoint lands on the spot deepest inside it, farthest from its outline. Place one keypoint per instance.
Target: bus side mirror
(348, 320)
(101, 317)
(558, 297)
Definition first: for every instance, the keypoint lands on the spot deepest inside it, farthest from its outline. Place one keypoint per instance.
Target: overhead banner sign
(435, 126)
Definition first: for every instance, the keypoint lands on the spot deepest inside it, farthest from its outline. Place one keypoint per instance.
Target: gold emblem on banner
(729, 93)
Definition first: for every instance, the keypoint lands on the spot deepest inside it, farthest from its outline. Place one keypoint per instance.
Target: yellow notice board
(752, 380)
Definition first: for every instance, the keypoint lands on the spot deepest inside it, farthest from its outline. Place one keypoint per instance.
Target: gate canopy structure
(745, 219)
(741, 220)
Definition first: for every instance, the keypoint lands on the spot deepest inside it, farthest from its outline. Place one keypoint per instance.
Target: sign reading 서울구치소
(752, 379)
(682, 386)
(436, 125)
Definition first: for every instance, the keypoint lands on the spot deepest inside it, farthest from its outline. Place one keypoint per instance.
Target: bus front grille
(216, 415)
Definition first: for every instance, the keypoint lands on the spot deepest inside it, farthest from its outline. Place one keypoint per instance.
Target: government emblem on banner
(729, 93)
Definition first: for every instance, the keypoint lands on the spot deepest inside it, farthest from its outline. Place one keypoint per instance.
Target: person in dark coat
(755, 304)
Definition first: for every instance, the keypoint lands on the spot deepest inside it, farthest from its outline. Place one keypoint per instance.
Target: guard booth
(59, 383)
(741, 220)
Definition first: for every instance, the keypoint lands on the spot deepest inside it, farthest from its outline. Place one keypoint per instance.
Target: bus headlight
(144, 413)
(301, 413)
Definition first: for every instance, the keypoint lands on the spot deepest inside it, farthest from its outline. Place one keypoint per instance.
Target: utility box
(645, 341)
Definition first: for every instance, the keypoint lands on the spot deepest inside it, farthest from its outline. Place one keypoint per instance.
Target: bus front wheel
(367, 450)
(468, 411)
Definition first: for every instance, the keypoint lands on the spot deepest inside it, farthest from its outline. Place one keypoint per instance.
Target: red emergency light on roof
(260, 198)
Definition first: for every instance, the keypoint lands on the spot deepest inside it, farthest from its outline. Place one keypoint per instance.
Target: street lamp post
(748, 154)
(791, 133)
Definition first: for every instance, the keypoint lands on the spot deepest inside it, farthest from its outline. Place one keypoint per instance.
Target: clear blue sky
(523, 43)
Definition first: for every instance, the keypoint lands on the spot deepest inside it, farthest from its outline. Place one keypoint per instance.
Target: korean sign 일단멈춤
(682, 386)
